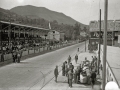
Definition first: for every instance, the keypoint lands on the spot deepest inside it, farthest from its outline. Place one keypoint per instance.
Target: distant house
(53, 35)
(83, 34)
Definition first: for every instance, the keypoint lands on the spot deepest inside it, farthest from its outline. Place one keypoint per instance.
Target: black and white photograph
(59, 44)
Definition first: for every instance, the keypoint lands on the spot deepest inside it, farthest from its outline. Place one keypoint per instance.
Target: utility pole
(105, 44)
(99, 41)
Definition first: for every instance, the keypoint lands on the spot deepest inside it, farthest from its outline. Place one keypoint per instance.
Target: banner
(94, 25)
(95, 35)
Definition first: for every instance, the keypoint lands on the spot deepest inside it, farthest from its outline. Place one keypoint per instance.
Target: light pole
(99, 44)
(105, 44)
(85, 41)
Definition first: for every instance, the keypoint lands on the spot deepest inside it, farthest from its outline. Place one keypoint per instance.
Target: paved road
(62, 80)
(32, 73)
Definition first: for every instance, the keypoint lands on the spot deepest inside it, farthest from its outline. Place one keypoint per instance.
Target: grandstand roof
(23, 25)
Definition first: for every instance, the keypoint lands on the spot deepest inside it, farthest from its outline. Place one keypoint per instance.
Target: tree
(86, 32)
(77, 30)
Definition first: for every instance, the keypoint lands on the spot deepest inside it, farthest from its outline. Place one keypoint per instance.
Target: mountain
(7, 15)
(40, 16)
(42, 12)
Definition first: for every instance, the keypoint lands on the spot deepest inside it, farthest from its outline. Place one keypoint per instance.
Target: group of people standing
(73, 74)
(16, 54)
(68, 71)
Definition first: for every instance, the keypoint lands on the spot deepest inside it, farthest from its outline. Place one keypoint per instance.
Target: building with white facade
(113, 30)
(53, 35)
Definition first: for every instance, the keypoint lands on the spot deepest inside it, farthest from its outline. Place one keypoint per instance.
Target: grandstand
(19, 35)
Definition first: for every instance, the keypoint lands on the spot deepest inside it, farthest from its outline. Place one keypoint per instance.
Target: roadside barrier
(39, 49)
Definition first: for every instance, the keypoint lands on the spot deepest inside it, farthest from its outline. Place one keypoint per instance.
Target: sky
(83, 11)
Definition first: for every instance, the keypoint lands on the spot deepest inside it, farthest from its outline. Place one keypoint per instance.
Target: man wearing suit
(70, 78)
(56, 73)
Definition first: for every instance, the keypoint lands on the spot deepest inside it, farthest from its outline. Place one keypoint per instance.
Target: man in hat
(63, 69)
(2, 57)
(13, 55)
(76, 58)
(70, 78)
(78, 49)
(93, 78)
(56, 73)
(71, 67)
(69, 59)
(66, 68)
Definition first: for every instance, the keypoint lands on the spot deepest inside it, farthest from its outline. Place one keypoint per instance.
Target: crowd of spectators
(16, 47)
(19, 46)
